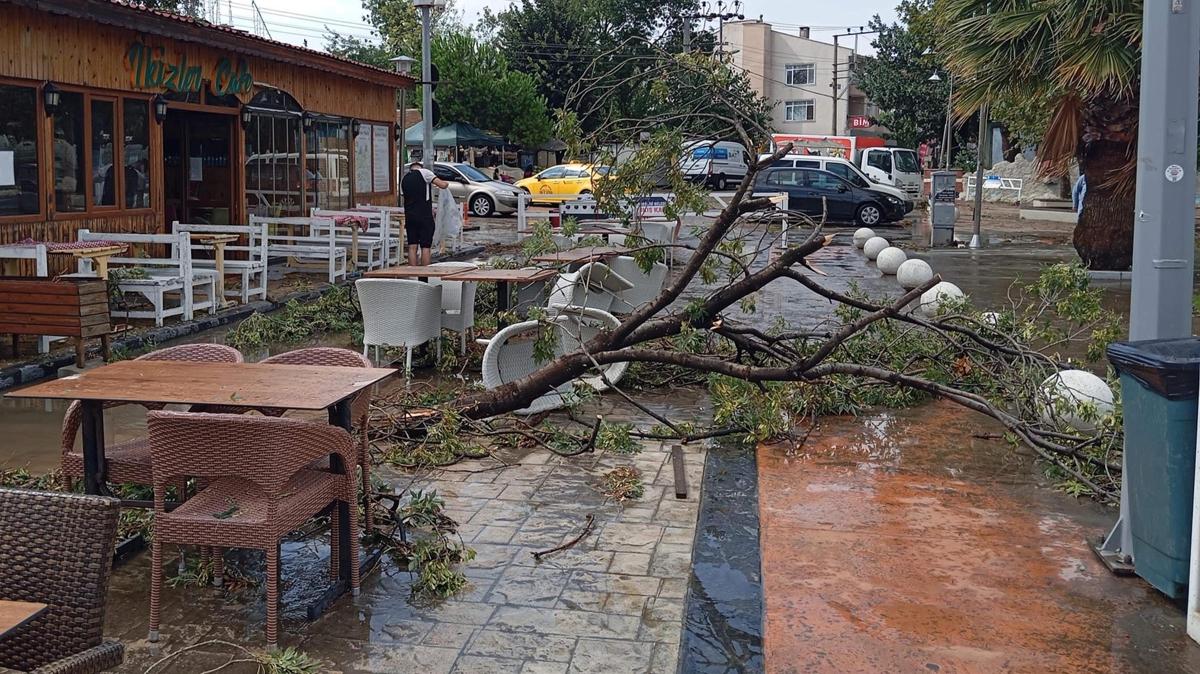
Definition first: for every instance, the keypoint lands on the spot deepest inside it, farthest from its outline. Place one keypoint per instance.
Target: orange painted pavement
(901, 543)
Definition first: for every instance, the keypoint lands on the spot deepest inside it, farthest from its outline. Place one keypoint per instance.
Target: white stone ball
(933, 299)
(1066, 391)
(874, 246)
(890, 259)
(913, 273)
(861, 235)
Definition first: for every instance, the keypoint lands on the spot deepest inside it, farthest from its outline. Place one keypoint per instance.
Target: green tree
(1083, 58)
(357, 49)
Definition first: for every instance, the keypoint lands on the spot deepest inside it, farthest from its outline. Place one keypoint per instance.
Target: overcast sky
(299, 20)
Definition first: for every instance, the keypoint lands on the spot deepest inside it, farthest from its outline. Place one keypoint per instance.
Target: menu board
(382, 161)
(362, 160)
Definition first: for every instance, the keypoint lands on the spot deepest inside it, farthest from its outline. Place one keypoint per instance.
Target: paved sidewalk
(905, 542)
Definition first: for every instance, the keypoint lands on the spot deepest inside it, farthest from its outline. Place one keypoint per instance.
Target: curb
(46, 366)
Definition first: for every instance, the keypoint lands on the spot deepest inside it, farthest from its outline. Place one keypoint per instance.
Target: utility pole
(426, 8)
(1164, 210)
(706, 13)
(834, 84)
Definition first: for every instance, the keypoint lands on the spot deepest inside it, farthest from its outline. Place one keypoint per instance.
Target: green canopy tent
(453, 135)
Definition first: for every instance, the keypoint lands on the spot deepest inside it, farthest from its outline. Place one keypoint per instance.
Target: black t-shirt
(417, 192)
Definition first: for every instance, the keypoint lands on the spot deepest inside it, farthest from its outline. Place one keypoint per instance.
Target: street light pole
(949, 133)
(426, 8)
(977, 216)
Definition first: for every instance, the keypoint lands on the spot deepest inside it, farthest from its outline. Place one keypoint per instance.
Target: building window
(273, 177)
(798, 111)
(92, 170)
(373, 159)
(19, 176)
(798, 74)
(327, 160)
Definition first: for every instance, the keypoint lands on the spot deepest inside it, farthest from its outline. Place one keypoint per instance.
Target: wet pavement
(905, 542)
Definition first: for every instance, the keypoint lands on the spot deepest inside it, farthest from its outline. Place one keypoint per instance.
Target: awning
(453, 135)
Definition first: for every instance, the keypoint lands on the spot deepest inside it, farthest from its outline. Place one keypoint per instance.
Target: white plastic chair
(660, 232)
(646, 285)
(509, 355)
(400, 312)
(593, 286)
(458, 303)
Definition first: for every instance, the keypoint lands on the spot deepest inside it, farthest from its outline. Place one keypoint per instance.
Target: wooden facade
(84, 46)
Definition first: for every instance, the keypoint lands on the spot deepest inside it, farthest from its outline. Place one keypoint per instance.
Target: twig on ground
(587, 528)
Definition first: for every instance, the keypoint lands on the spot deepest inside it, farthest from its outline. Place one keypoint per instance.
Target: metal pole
(977, 216)
(947, 146)
(833, 123)
(687, 34)
(1164, 210)
(403, 143)
(427, 156)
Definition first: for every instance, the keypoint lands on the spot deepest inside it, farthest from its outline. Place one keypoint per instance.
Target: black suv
(811, 192)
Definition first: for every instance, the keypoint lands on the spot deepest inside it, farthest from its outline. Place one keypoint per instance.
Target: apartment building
(796, 72)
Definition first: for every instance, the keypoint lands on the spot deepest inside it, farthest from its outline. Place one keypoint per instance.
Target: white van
(843, 168)
(716, 163)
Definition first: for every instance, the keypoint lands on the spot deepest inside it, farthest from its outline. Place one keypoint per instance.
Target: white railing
(995, 183)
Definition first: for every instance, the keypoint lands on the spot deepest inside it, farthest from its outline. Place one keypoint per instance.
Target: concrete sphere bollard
(861, 235)
(1068, 390)
(890, 259)
(933, 299)
(874, 246)
(913, 273)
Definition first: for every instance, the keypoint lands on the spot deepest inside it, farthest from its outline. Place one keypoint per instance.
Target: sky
(298, 20)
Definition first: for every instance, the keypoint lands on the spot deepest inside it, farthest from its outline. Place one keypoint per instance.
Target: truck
(895, 166)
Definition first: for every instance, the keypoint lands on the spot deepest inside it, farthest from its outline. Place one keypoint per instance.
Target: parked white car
(717, 164)
(843, 168)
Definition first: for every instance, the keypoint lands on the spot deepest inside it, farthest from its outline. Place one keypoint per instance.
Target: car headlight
(894, 201)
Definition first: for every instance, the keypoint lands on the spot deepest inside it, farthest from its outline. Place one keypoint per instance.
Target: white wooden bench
(369, 247)
(166, 277)
(252, 268)
(394, 220)
(301, 250)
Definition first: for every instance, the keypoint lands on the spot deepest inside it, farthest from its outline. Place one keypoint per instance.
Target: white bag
(448, 221)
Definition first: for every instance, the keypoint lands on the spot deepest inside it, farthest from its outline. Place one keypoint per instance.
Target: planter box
(69, 307)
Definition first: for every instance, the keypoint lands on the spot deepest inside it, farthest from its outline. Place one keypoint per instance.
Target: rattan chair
(57, 549)
(360, 407)
(458, 303)
(260, 486)
(130, 461)
(647, 286)
(399, 312)
(593, 286)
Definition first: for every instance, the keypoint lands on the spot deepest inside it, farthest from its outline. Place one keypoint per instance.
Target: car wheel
(722, 183)
(482, 206)
(869, 214)
(585, 193)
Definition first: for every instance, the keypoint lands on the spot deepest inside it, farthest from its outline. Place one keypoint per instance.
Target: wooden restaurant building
(118, 118)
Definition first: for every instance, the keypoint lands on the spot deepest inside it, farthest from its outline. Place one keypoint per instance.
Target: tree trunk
(1104, 235)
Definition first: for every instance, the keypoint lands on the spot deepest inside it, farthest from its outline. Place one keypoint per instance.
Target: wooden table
(417, 271)
(218, 242)
(585, 254)
(97, 254)
(503, 278)
(13, 614)
(276, 386)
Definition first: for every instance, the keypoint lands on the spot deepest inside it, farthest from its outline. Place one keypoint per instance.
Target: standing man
(418, 210)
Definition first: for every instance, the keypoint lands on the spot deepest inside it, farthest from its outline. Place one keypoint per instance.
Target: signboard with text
(859, 121)
(151, 68)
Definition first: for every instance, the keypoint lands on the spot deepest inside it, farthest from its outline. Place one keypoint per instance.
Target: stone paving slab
(612, 603)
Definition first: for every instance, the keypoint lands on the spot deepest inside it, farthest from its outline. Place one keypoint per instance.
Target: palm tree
(1082, 56)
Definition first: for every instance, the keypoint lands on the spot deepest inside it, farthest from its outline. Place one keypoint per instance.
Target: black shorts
(419, 231)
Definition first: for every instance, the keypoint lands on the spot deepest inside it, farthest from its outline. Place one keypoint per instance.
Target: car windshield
(849, 172)
(472, 173)
(601, 170)
(906, 161)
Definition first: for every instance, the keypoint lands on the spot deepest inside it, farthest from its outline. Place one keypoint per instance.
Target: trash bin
(1159, 382)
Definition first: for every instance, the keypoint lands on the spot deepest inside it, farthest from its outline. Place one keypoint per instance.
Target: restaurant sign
(150, 69)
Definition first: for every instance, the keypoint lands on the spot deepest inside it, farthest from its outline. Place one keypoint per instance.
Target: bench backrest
(179, 245)
(254, 233)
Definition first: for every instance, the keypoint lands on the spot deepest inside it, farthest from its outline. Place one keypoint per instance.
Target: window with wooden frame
(20, 168)
(100, 153)
(373, 159)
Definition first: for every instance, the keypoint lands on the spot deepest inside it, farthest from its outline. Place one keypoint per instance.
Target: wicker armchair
(360, 407)
(261, 485)
(130, 461)
(57, 550)
(458, 303)
(509, 355)
(400, 312)
(647, 286)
